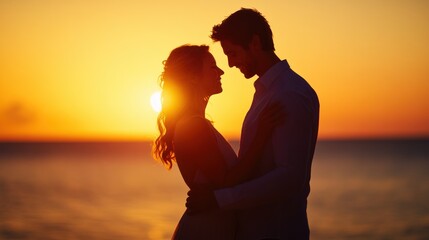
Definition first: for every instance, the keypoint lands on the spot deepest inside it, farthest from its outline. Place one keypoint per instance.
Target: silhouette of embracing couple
(261, 193)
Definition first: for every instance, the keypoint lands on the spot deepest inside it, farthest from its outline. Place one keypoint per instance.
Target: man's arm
(292, 150)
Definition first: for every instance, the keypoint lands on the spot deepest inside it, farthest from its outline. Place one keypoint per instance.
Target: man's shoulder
(290, 81)
(291, 84)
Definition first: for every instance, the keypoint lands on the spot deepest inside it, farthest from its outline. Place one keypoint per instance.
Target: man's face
(240, 58)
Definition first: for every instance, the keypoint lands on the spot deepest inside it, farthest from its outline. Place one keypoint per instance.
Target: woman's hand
(269, 118)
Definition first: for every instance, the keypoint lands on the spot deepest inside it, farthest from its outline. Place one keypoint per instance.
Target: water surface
(360, 190)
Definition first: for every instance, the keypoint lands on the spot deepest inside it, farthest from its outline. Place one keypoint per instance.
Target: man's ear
(255, 43)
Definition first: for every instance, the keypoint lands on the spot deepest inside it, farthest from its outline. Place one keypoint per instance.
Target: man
(272, 205)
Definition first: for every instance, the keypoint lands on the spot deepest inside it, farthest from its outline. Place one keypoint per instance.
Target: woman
(204, 157)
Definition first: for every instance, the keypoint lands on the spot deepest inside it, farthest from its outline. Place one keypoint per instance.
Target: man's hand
(200, 200)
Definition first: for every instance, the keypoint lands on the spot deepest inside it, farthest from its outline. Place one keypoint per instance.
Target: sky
(86, 69)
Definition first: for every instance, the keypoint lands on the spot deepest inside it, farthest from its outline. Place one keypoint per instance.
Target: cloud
(17, 113)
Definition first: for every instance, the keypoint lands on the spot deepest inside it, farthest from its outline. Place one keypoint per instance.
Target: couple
(262, 193)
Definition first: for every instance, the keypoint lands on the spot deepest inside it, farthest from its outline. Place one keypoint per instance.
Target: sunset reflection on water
(123, 194)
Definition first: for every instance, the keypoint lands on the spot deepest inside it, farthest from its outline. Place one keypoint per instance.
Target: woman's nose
(221, 72)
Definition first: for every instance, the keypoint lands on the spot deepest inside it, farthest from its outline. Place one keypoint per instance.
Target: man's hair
(241, 26)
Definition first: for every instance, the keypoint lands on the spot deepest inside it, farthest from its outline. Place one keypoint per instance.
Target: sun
(155, 101)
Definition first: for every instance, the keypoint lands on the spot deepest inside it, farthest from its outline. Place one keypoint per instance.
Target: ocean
(360, 189)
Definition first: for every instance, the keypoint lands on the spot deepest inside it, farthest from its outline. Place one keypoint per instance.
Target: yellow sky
(86, 69)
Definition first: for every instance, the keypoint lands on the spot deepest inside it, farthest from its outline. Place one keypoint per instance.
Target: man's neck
(267, 60)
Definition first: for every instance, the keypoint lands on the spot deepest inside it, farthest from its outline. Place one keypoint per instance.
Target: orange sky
(87, 69)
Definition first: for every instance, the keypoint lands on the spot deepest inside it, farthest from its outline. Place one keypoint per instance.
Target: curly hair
(240, 27)
(179, 87)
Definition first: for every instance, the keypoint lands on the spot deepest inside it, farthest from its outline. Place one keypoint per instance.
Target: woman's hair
(240, 27)
(179, 83)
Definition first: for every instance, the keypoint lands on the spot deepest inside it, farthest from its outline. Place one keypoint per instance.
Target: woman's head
(189, 78)
(190, 75)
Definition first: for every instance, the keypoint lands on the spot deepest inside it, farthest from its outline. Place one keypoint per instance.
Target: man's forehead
(228, 46)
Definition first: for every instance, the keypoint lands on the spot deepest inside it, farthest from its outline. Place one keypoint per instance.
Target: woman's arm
(204, 199)
(196, 147)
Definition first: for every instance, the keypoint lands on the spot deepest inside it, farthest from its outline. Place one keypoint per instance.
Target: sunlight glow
(155, 101)
(101, 62)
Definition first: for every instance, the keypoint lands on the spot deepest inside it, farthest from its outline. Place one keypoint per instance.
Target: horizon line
(131, 140)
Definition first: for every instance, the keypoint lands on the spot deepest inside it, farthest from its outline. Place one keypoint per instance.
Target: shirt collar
(269, 76)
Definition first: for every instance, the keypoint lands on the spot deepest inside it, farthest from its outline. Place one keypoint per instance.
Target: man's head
(240, 27)
(244, 35)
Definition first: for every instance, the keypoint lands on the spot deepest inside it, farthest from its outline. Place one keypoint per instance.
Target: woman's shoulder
(194, 125)
(190, 122)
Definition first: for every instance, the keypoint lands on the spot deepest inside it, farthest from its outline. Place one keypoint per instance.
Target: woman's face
(211, 73)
